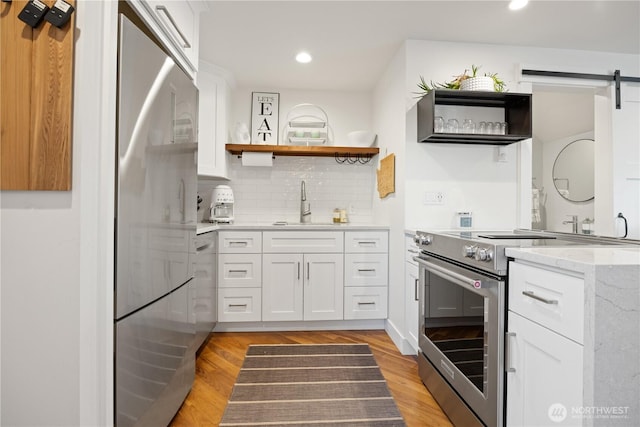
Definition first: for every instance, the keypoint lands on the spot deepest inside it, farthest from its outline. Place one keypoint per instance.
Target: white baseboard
(398, 339)
(331, 325)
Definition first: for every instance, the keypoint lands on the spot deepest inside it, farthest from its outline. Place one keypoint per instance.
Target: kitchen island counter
(611, 317)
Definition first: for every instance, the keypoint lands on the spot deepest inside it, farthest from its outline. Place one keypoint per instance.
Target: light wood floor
(220, 359)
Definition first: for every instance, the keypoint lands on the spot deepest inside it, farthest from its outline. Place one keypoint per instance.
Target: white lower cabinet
(299, 275)
(239, 304)
(366, 274)
(411, 283)
(543, 348)
(302, 287)
(365, 302)
(239, 276)
(546, 381)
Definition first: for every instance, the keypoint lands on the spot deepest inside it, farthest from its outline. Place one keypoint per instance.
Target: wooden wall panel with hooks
(36, 101)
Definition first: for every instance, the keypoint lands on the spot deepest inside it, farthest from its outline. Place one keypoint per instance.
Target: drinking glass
(452, 126)
(482, 128)
(468, 126)
(490, 128)
(438, 124)
(503, 128)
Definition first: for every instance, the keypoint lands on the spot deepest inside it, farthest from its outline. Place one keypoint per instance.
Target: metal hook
(338, 159)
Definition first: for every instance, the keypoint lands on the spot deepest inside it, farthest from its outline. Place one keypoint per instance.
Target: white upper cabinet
(214, 85)
(177, 24)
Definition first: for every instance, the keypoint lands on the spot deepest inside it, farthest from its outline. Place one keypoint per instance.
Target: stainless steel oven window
(456, 322)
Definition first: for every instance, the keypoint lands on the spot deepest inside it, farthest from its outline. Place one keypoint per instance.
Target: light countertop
(578, 259)
(207, 227)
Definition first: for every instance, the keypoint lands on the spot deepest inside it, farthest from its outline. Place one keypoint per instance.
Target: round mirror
(573, 171)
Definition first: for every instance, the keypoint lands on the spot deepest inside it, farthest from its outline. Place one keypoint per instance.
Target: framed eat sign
(264, 118)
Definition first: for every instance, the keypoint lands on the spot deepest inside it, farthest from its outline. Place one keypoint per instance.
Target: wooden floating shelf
(302, 150)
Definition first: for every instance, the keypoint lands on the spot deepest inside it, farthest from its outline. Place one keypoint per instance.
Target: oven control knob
(484, 254)
(469, 251)
(416, 239)
(425, 240)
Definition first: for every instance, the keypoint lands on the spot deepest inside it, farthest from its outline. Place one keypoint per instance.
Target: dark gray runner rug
(302, 385)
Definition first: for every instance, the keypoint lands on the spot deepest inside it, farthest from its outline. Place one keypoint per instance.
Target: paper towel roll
(257, 159)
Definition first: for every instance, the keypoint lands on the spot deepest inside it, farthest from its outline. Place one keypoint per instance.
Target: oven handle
(448, 274)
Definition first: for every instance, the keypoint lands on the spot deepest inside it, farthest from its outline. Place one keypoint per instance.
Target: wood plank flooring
(220, 359)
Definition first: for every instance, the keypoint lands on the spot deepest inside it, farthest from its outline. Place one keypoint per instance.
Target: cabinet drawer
(365, 302)
(303, 241)
(366, 270)
(239, 305)
(366, 241)
(239, 270)
(236, 242)
(562, 306)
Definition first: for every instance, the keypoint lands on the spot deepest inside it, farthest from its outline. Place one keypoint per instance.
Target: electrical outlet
(352, 210)
(434, 198)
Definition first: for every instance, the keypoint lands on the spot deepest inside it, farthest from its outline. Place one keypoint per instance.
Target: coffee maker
(221, 210)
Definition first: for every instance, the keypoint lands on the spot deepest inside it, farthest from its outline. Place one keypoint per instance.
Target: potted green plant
(465, 81)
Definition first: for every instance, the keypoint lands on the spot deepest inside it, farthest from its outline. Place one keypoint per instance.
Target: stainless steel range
(463, 282)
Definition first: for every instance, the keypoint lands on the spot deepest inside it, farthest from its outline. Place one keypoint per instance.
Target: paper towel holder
(273, 156)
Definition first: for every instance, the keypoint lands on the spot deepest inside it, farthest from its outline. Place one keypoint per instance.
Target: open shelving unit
(302, 150)
(515, 109)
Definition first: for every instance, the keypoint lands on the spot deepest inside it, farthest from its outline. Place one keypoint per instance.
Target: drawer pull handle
(507, 353)
(367, 303)
(237, 305)
(366, 243)
(366, 270)
(415, 290)
(243, 244)
(185, 42)
(539, 298)
(237, 271)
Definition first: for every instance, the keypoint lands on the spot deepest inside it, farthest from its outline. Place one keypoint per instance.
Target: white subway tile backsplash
(273, 194)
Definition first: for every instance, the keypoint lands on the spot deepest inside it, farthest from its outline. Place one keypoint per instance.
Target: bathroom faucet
(305, 207)
(574, 222)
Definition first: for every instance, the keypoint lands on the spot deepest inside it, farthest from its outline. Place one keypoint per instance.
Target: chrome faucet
(305, 207)
(574, 222)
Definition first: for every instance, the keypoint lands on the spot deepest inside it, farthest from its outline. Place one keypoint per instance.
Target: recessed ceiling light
(517, 4)
(303, 57)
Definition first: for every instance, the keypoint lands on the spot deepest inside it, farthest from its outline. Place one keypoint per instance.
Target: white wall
(268, 194)
(471, 178)
(56, 278)
(390, 123)
(346, 111)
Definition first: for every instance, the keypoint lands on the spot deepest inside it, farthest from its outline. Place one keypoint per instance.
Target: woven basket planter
(478, 83)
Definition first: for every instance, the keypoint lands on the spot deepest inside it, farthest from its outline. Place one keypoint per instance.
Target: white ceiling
(353, 41)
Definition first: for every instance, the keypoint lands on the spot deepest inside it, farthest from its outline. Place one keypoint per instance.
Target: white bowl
(361, 138)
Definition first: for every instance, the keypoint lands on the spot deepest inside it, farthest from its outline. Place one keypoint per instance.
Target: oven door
(461, 337)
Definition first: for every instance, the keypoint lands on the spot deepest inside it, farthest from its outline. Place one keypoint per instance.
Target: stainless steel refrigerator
(154, 321)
